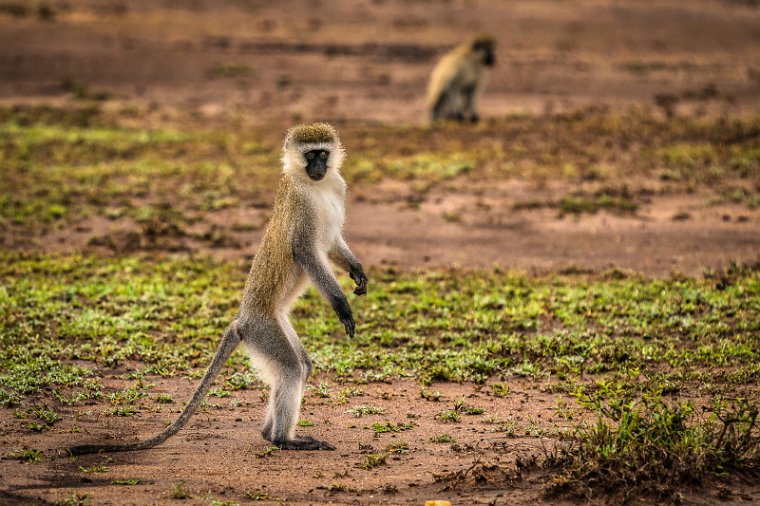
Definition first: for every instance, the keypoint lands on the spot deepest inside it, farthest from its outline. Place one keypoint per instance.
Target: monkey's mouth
(316, 175)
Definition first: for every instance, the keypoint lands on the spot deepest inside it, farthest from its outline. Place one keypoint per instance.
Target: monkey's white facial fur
(312, 152)
(313, 161)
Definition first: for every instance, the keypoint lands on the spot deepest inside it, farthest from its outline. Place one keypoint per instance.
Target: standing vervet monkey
(458, 79)
(304, 232)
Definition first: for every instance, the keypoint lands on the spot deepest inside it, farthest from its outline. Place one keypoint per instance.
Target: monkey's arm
(343, 257)
(317, 269)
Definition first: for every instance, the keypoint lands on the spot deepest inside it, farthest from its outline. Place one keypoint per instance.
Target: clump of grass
(262, 495)
(442, 438)
(399, 448)
(500, 390)
(125, 411)
(268, 451)
(245, 380)
(95, 469)
(322, 390)
(164, 399)
(461, 407)
(128, 395)
(230, 69)
(382, 428)
(180, 491)
(620, 201)
(373, 460)
(448, 415)
(30, 455)
(656, 448)
(74, 499)
(305, 423)
(359, 411)
(46, 416)
(430, 395)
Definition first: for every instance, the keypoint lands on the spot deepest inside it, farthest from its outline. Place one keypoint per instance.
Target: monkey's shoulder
(317, 211)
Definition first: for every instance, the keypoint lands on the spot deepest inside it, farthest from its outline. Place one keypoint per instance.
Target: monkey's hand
(357, 274)
(343, 310)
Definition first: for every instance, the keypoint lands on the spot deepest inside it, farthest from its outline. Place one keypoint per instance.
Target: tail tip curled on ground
(90, 449)
(83, 450)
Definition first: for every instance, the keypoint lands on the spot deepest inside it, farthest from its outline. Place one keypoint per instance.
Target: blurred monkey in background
(458, 79)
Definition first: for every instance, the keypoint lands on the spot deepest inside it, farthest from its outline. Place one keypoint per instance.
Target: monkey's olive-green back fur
(312, 133)
(273, 261)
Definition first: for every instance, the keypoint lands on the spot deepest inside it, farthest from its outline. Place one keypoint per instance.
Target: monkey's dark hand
(357, 274)
(348, 322)
(343, 310)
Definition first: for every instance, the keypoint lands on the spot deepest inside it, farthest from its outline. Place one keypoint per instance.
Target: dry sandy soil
(221, 456)
(368, 62)
(482, 229)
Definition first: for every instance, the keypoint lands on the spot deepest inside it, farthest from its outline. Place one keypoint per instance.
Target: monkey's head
(311, 151)
(483, 47)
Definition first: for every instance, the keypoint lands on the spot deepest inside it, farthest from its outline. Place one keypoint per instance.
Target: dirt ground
(221, 456)
(368, 62)
(482, 229)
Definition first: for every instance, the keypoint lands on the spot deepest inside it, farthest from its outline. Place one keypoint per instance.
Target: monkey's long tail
(229, 343)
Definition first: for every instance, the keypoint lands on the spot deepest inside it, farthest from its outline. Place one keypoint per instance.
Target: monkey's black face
(486, 49)
(488, 58)
(316, 163)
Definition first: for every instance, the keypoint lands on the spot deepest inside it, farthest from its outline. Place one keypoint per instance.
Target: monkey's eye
(323, 155)
(310, 156)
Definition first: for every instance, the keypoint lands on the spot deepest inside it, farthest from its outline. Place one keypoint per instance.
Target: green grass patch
(180, 491)
(373, 460)
(657, 448)
(382, 428)
(617, 332)
(95, 469)
(31, 455)
(359, 411)
(59, 165)
(442, 438)
(230, 69)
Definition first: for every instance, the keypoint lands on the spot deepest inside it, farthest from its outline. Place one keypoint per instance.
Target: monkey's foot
(303, 443)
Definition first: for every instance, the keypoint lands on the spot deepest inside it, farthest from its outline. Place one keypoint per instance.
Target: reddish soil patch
(370, 61)
(221, 456)
(474, 227)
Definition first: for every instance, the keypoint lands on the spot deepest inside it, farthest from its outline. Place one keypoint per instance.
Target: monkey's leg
(287, 371)
(295, 342)
(468, 100)
(439, 108)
